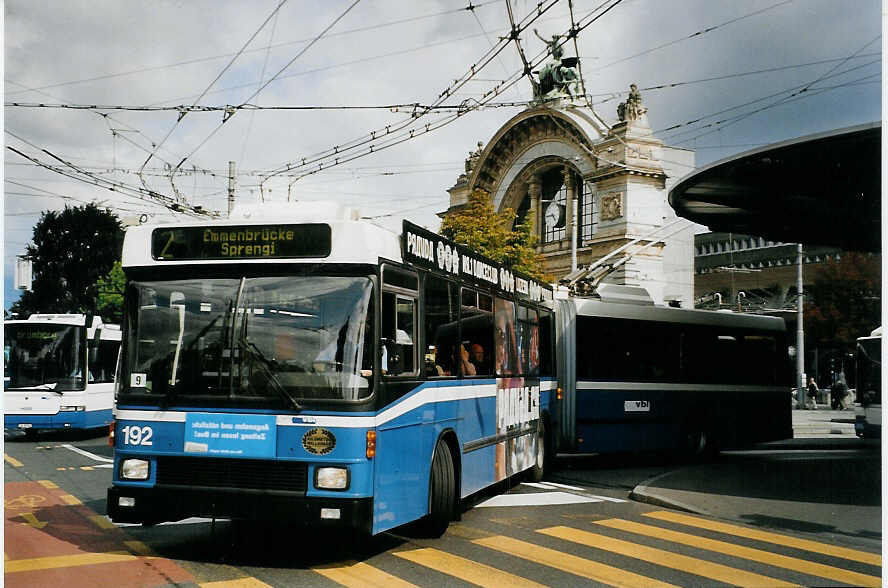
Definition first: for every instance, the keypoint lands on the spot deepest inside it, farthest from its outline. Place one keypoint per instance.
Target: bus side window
(398, 343)
(441, 326)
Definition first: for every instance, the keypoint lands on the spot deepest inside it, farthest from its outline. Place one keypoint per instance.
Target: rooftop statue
(559, 77)
(631, 109)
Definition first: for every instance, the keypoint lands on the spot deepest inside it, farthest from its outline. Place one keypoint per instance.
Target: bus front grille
(255, 474)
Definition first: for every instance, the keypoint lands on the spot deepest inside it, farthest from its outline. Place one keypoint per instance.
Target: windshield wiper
(47, 386)
(266, 366)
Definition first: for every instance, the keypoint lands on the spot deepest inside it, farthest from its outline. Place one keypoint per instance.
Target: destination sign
(441, 255)
(241, 242)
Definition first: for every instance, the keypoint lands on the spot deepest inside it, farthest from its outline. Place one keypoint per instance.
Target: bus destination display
(241, 242)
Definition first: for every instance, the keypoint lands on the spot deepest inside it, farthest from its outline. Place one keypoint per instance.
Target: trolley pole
(800, 332)
(230, 186)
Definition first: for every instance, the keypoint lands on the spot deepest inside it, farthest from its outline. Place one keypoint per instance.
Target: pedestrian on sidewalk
(812, 394)
(839, 391)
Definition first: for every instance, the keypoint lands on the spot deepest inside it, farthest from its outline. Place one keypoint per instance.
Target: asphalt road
(749, 524)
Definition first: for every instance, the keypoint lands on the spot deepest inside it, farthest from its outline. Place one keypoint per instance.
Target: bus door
(103, 348)
(405, 406)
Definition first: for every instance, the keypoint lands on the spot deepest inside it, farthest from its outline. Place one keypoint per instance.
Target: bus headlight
(331, 478)
(72, 409)
(134, 469)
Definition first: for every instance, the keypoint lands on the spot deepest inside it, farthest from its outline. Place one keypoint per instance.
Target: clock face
(554, 213)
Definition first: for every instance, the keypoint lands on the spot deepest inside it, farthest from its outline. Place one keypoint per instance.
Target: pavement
(823, 480)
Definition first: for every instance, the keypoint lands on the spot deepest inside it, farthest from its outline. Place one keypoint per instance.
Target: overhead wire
(693, 35)
(229, 55)
(218, 76)
(398, 132)
(228, 115)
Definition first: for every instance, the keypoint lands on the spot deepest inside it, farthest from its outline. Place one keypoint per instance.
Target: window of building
(586, 212)
(554, 207)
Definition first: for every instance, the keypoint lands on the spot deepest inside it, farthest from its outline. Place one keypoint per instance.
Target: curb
(642, 493)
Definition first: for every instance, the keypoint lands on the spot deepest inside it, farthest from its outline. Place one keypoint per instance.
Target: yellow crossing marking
(805, 544)
(32, 520)
(26, 501)
(248, 582)
(86, 468)
(12, 461)
(668, 559)
(466, 532)
(765, 557)
(47, 484)
(464, 569)
(358, 574)
(65, 561)
(70, 499)
(102, 522)
(577, 566)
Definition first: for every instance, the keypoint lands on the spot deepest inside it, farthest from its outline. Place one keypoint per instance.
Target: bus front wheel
(442, 493)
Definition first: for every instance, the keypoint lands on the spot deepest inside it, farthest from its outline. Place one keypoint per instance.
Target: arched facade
(561, 166)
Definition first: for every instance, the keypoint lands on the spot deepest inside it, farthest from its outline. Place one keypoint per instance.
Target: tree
(109, 290)
(844, 302)
(482, 229)
(70, 251)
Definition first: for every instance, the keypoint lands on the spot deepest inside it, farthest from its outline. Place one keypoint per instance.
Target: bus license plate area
(24, 425)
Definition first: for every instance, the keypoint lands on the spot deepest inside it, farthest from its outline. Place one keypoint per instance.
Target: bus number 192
(136, 435)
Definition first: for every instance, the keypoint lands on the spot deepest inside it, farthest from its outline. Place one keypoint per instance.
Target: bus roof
(592, 307)
(351, 240)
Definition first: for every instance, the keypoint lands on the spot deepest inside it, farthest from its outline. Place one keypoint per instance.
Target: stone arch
(534, 134)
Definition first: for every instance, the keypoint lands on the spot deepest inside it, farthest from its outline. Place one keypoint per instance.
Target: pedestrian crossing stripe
(572, 564)
(353, 574)
(758, 555)
(248, 582)
(12, 461)
(465, 569)
(536, 499)
(804, 544)
(668, 559)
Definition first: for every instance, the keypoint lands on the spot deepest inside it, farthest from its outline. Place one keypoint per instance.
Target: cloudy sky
(718, 76)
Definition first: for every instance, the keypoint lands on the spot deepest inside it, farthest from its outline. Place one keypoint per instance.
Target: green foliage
(481, 228)
(70, 250)
(109, 290)
(844, 302)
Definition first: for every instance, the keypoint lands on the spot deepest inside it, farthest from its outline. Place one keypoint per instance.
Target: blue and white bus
(868, 367)
(58, 372)
(641, 377)
(314, 367)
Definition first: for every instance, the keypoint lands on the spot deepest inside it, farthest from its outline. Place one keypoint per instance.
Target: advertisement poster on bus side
(517, 419)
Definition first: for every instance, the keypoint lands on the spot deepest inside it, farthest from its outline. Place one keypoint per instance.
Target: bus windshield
(265, 342)
(43, 356)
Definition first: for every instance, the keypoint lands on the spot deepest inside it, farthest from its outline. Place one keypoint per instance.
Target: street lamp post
(800, 332)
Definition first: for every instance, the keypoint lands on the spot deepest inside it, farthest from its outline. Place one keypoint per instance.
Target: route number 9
(136, 435)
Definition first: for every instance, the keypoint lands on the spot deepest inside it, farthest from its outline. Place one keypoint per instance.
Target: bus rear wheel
(442, 493)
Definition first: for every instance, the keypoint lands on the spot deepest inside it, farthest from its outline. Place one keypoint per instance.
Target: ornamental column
(571, 198)
(534, 191)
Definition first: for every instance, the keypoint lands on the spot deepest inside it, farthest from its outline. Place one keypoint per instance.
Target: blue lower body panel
(63, 420)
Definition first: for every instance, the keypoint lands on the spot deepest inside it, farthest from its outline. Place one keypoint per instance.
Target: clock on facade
(554, 215)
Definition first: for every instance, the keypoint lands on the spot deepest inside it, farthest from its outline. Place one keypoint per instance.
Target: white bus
(58, 373)
(868, 364)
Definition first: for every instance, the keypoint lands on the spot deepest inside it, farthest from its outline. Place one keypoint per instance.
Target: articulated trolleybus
(641, 377)
(58, 372)
(323, 370)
